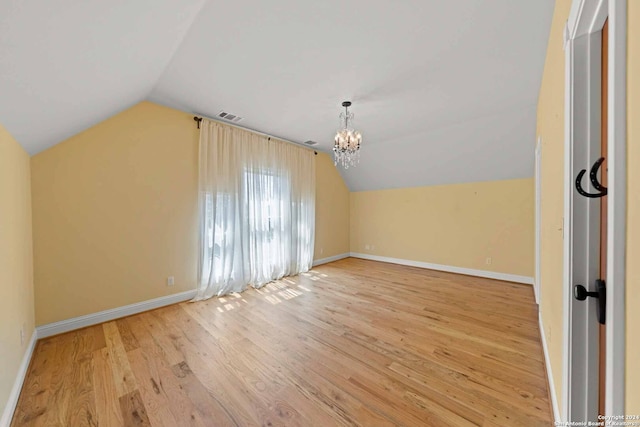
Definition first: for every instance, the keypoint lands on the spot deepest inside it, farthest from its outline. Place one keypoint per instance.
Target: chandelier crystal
(346, 148)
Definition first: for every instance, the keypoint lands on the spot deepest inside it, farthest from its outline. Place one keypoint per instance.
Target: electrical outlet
(170, 281)
(367, 247)
(488, 261)
(373, 247)
(22, 335)
(321, 251)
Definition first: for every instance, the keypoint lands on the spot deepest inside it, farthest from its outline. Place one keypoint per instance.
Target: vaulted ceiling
(442, 91)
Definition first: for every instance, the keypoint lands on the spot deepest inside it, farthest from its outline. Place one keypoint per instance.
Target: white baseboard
(9, 409)
(114, 313)
(552, 387)
(330, 259)
(449, 269)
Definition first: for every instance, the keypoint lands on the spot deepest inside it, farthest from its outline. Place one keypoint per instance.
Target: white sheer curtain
(257, 209)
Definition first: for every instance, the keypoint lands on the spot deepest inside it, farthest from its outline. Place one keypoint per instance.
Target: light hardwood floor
(353, 342)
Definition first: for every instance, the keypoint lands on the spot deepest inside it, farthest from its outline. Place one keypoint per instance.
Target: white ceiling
(443, 91)
(66, 65)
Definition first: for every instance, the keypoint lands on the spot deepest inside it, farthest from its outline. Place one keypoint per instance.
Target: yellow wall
(16, 284)
(633, 211)
(332, 210)
(550, 129)
(455, 225)
(115, 213)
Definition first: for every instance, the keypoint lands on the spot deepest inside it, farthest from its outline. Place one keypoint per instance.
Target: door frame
(581, 219)
(538, 219)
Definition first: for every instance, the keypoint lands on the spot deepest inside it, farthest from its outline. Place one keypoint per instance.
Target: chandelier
(346, 148)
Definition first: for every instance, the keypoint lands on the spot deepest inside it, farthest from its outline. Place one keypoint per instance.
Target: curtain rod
(198, 119)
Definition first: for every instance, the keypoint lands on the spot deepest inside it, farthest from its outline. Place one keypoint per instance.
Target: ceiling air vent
(311, 142)
(229, 117)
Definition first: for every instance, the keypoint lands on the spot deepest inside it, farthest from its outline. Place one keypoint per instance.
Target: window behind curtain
(257, 209)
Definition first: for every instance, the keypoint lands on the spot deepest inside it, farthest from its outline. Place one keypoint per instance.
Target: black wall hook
(593, 177)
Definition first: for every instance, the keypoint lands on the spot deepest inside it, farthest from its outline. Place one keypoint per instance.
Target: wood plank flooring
(353, 342)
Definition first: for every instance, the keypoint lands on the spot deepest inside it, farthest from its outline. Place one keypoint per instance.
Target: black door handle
(580, 293)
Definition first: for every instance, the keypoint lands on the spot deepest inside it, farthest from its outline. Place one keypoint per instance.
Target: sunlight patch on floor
(273, 299)
(274, 292)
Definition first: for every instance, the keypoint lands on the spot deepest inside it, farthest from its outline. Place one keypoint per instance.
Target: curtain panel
(257, 209)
